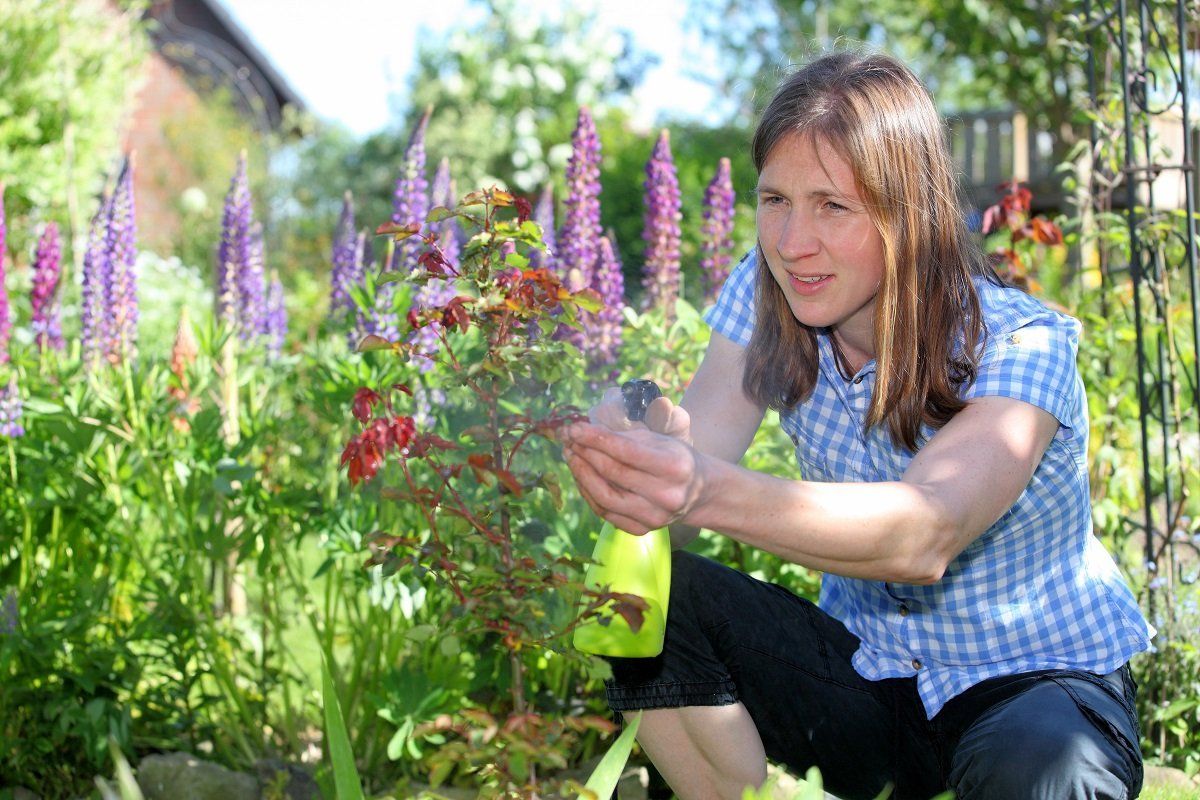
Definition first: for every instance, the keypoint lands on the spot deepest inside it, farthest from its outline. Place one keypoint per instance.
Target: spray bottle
(638, 565)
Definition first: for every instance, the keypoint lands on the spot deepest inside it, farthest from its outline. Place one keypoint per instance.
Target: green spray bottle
(639, 565)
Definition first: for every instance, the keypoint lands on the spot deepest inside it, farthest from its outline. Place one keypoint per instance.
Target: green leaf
(390, 277)
(36, 405)
(345, 774)
(439, 213)
(603, 780)
(449, 646)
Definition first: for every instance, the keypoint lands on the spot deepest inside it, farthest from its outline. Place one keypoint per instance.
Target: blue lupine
(660, 280)
(47, 268)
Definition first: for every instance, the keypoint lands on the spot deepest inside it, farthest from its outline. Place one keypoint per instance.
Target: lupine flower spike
(5, 318)
(183, 355)
(344, 273)
(661, 231)
(10, 410)
(579, 240)
(47, 267)
(97, 275)
(239, 275)
(120, 288)
(410, 204)
(716, 234)
(252, 288)
(448, 231)
(543, 215)
(604, 346)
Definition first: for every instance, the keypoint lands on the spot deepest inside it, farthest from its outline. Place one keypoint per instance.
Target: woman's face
(819, 241)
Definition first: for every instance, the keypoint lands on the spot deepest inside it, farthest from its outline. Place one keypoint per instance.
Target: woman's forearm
(892, 531)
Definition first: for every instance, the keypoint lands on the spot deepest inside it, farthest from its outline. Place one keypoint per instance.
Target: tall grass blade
(603, 780)
(345, 774)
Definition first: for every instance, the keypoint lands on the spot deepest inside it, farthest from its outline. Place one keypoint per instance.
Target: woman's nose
(796, 238)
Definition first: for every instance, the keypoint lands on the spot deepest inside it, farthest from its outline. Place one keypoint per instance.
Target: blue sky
(349, 61)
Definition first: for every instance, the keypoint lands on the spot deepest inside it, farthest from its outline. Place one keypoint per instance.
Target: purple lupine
(410, 204)
(10, 410)
(121, 287)
(5, 319)
(543, 215)
(276, 316)
(580, 234)
(47, 268)
(97, 275)
(604, 342)
(239, 281)
(252, 287)
(344, 272)
(660, 279)
(716, 234)
(448, 230)
(361, 254)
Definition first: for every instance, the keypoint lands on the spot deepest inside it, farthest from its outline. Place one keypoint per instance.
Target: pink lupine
(716, 234)
(660, 279)
(47, 268)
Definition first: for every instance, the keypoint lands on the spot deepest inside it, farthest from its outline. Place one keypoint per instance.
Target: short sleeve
(733, 314)
(1035, 363)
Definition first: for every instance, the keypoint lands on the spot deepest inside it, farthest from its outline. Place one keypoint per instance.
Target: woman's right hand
(662, 416)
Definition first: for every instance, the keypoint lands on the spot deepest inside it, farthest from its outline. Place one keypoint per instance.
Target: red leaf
(398, 231)
(1045, 232)
(364, 400)
(524, 210)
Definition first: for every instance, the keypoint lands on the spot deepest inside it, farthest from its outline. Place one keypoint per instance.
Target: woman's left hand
(638, 480)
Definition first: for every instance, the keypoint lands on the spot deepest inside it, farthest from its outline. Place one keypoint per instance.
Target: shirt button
(916, 663)
(903, 610)
(859, 379)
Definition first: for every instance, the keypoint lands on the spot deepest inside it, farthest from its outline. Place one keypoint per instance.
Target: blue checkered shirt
(1037, 590)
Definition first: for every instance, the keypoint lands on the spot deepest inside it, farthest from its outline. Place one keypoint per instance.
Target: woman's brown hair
(878, 116)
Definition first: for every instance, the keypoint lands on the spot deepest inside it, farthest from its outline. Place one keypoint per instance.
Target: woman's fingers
(666, 418)
(610, 412)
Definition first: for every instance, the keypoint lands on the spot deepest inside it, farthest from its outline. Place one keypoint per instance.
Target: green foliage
(953, 46)
(68, 72)
(345, 774)
(506, 91)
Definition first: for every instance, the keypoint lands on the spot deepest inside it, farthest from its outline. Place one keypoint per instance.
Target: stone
(171, 776)
(1169, 776)
(295, 781)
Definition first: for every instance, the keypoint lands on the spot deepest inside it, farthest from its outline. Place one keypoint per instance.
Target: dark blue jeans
(1050, 735)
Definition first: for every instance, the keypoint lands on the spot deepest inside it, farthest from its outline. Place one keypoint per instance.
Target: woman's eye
(770, 200)
(832, 206)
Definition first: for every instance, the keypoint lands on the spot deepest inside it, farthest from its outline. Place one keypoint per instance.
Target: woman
(972, 633)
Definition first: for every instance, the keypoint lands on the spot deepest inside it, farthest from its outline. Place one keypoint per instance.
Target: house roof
(203, 39)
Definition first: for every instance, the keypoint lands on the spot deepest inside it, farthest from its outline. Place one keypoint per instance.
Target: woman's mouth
(808, 285)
